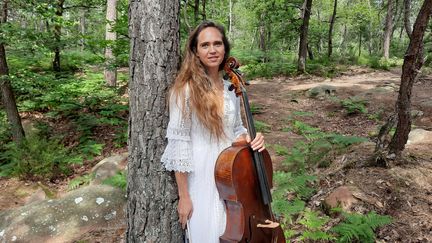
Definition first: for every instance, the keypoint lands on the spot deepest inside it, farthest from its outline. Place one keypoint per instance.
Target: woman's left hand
(257, 143)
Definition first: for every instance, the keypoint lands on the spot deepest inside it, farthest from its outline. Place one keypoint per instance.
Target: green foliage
(314, 226)
(317, 147)
(262, 126)
(90, 148)
(298, 184)
(354, 106)
(118, 180)
(280, 150)
(37, 157)
(255, 109)
(359, 227)
(80, 181)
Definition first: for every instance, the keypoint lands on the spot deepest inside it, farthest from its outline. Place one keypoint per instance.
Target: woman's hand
(184, 210)
(257, 143)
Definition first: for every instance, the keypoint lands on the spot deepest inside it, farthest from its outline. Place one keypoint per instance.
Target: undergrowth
(295, 188)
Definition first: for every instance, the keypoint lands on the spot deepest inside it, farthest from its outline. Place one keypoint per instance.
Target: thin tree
(413, 62)
(330, 34)
(110, 71)
(57, 35)
(154, 59)
(8, 97)
(302, 54)
(388, 29)
(407, 13)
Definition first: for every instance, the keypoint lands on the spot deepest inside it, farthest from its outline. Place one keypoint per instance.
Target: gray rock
(108, 167)
(321, 91)
(416, 113)
(419, 135)
(65, 219)
(426, 104)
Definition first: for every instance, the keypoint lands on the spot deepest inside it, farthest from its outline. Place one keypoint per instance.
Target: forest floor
(403, 191)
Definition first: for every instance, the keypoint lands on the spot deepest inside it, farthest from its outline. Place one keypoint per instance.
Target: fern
(262, 126)
(312, 221)
(118, 180)
(280, 150)
(360, 227)
(316, 235)
(80, 181)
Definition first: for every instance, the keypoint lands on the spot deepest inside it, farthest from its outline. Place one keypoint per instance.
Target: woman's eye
(204, 45)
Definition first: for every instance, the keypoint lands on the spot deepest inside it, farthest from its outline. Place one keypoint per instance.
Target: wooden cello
(244, 179)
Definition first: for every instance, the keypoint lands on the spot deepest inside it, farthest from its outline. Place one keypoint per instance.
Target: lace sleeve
(239, 129)
(178, 152)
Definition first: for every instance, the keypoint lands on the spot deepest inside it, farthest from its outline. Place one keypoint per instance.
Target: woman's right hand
(184, 210)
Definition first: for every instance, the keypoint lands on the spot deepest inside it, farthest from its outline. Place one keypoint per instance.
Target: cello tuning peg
(231, 87)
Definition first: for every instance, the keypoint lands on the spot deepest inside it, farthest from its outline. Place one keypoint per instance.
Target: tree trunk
(262, 37)
(230, 20)
(185, 15)
(360, 43)
(154, 60)
(82, 28)
(310, 53)
(330, 35)
(8, 98)
(407, 13)
(301, 64)
(388, 29)
(413, 62)
(204, 16)
(57, 36)
(196, 11)
(110, 71)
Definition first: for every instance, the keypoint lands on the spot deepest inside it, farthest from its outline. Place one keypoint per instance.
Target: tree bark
(413, 62)
(110, 71)
(407, 13)
(330, 35)
(57, 36)
(204, 16)
(82, 28)
(262, 37)
(8, 97)
(388, 29)
(154, 60)
(196, 11)
(301, 64)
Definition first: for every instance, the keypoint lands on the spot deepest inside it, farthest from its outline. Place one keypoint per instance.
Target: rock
(321, 91)
(419, 136)
(63, 220)
(340, 197)
(108, 167)
(38, 195)
(426, 104)
(416, 113)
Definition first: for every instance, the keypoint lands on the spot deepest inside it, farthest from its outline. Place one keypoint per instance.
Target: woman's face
(210, 49)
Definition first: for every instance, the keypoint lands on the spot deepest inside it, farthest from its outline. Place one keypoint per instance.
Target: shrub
(38, 158)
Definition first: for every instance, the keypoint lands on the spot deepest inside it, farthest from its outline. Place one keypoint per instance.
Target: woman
(204, 120)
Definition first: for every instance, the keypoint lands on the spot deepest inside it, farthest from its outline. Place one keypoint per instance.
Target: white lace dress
(191, 149)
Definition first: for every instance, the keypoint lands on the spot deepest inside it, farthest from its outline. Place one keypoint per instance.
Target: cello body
(244, 179)
(237, 184)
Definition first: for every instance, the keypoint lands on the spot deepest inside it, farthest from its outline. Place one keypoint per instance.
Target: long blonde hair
(202, 94)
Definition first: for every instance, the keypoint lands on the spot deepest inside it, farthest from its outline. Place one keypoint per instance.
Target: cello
(244, 179)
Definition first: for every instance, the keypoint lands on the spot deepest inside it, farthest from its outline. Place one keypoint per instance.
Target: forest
(341, 90)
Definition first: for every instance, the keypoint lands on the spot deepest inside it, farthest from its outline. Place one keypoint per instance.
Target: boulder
(321, 91)
(419, 136)
(108, 167)
(65, 219)
(341, 197)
